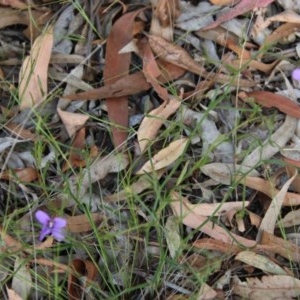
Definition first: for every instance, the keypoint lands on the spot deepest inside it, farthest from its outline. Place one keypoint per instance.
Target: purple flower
(51, 226)
(296, 74)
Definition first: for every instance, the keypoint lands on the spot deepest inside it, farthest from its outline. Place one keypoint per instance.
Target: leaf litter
(203, 183)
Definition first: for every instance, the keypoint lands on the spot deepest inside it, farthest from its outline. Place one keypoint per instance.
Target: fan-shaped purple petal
(42, 217)
(59, 223)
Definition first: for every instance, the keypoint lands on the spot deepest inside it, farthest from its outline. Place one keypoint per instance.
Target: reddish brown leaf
(81, 268)
(130, 84)
(24, 175)
(75, 158)
(116, 67)
(151, 69)
(281, 32)
(241, 8)
(178, 56)
(19, 131)
(224, 2)
(14, 3)
(268, 99)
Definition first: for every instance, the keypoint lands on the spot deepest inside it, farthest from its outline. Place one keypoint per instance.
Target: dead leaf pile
(167, 135)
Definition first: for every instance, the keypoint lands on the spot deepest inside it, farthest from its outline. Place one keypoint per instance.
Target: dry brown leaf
(24, 175)
(216, 245)
(225, 38)
(129, 84)
(77, 287)
(83, 223)
(72, 121)
(179, 57)
(10, 16)
(269, 221)
(61, 268)
(290, 219)
(154, 120)
(33, 84)
(285, 16)
(224, 2)
(9, 243)
(260, 262)
(266, 187)
(268, 99)
(273, 144)
(75, 158)
(14, 3)
(174, 54)
(151, 69)
(21, 132)
(267, 287)
(12, 295)
(116, 67)
(181, 208)
(279, 34)
(225, 173)
(164, 157)
(269, 244)
(97, 170)
(164, 12)
(206, 293)
(283, 247)
(215, 209)
(241, 8)
(254, 64)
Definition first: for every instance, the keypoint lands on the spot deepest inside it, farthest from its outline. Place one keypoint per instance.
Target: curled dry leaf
(81, 268)
(164, 157)
(261, 262)
(33, 84)
(154, 120)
